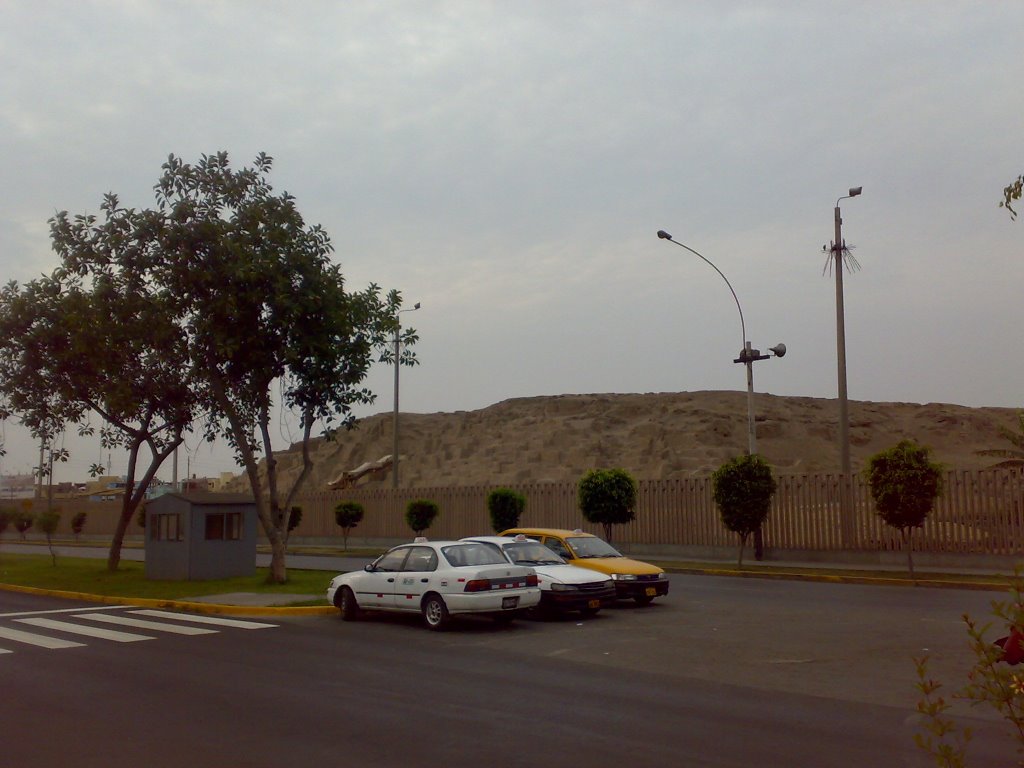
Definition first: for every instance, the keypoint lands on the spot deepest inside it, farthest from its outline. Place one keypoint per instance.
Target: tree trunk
(114, 555)
(743, 543)
(278, 550)
(909, 546)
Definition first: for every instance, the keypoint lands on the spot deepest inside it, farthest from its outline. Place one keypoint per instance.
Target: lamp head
(779, 349)
(662, 234)
(854, 191)
(416, 305)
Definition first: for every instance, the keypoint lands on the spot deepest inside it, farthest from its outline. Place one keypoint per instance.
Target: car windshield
(591, 546)
(531, 553)
(473, 553)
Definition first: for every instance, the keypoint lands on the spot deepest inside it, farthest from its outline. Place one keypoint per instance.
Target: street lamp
(748, 356)
(838, 252)
(394, 421)
(838, 247)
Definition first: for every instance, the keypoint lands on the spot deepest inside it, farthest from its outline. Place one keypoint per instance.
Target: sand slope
(659, 435)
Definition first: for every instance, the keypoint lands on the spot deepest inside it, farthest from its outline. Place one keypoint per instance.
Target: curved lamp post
(748, 356)
(394, 420)
(845, 509)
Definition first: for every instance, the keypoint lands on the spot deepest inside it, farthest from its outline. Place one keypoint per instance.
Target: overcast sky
(508, 165)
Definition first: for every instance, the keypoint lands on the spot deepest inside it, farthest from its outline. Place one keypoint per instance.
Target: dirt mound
(653, 436)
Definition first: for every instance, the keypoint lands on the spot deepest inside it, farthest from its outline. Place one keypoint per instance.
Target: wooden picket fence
(979, 512)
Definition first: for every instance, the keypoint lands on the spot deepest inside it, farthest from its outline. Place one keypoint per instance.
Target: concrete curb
(182, 605)
(838, 578)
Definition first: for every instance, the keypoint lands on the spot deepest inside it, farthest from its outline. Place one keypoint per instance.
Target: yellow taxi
(633, 579)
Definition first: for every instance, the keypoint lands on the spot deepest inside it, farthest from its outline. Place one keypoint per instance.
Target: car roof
(563, 532)
(424, 542)
(500, 540)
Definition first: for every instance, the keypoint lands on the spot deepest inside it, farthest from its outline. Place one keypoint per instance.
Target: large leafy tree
(97, 337)
(267, 319)
(219, 302)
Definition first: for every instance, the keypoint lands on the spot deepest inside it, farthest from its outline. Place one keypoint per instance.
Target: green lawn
(90, 575)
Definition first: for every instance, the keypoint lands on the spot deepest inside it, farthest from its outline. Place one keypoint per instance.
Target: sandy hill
(660, 435)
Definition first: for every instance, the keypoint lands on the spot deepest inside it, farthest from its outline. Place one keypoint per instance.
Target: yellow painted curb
(182, 605)
(836, 578)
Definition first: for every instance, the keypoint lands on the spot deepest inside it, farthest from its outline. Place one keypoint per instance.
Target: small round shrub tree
(6, 517)
(904, 485)
(420, 514)
(743, 488)
(505, 507)
(22, 522)
(78, 523)
(348, 514)
(607, 497)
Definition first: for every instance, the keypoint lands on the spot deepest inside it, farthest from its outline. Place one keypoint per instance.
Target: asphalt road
(725, 672)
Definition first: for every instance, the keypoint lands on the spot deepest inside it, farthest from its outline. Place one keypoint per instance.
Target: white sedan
(438, 579)
(563, 587)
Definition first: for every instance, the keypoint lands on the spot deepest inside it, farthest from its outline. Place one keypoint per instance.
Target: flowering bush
(994, 680)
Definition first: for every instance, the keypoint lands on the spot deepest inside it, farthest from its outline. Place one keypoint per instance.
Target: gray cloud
(508, 165)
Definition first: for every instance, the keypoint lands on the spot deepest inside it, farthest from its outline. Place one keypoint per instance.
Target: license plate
(509, 602)
(650, 592)
(593, 604)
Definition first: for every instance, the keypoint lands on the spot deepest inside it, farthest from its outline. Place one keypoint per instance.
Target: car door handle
(391, 580)
(425, 581)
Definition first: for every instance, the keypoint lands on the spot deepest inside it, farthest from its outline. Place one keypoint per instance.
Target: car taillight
(531, 580)
(478, 585)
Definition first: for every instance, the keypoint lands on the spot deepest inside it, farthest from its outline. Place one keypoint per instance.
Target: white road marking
(205, 619)
(79, 629)
(60, 610)
(40, 640)
(141, 624)
(4, 650)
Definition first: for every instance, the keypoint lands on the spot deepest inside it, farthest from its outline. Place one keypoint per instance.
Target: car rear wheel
(435, 612)
(347, 605)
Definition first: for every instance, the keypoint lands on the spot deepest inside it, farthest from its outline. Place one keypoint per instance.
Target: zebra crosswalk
(113, 624)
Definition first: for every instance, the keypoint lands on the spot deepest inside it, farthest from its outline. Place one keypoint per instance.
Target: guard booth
(200, 535)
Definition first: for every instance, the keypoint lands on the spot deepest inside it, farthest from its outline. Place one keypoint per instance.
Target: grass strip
(90, 576)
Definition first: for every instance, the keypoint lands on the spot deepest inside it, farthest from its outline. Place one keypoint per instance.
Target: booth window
(223, 526)
(167, 527)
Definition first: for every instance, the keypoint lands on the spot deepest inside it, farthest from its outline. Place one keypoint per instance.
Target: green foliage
(294, 518)
(743, 490)
(505, 507)
(1012, 193)
(348, 514)
(140, 516)
(904, 484)
(78, 523)
(607, 497)
(991, 683)
(150, 322)
(420, 514)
